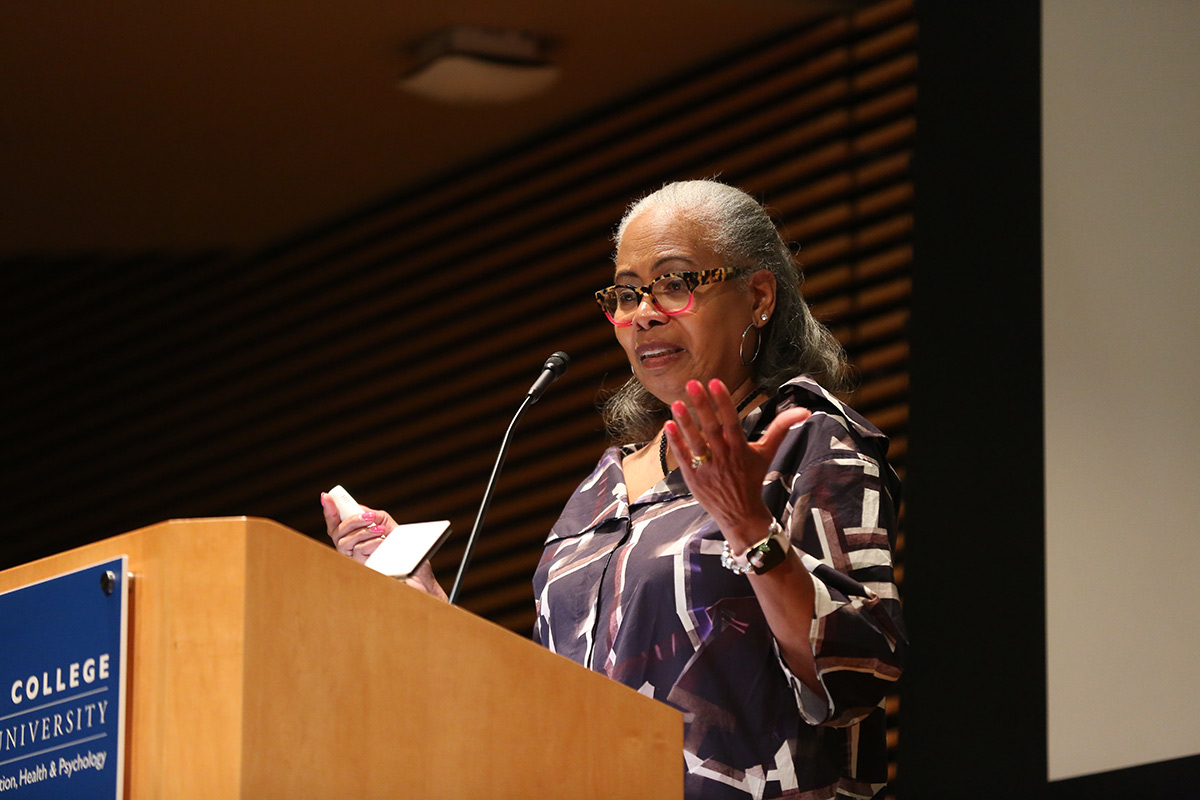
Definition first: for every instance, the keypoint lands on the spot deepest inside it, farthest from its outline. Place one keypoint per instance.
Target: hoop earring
(742, 347)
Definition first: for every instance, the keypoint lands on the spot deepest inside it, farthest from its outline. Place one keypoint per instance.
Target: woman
(679, 566)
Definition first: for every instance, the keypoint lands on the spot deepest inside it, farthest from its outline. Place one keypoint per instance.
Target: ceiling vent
(477, 66)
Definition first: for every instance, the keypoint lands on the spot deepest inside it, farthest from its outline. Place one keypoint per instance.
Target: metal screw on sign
(108, 581)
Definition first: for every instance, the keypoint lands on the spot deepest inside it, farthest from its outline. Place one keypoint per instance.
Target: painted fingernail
(377, 529)
(368, 515)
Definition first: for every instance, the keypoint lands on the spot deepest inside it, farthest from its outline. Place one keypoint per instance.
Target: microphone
(552, 370)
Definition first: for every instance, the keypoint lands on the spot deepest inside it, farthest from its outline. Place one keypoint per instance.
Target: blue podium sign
(62, 685)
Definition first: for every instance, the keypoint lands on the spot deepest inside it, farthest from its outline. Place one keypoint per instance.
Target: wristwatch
(761, 557)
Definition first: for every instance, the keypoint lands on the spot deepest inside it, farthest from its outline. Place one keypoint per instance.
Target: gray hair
(741, 232)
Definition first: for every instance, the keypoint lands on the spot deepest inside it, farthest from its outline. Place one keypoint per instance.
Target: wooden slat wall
(387, 351)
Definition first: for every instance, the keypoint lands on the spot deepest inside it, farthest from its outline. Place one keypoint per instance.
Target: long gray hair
(740, 231)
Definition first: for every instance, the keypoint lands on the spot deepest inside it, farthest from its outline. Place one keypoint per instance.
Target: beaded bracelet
(760, 557)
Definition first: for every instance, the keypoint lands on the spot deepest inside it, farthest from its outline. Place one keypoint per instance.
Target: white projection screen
(1121, 206)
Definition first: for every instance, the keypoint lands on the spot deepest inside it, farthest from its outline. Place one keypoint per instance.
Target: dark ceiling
(227, 125)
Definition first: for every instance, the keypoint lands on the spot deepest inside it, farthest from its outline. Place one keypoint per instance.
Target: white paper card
(407, 546)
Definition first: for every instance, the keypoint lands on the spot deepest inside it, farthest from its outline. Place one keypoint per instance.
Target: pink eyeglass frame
(694, 279)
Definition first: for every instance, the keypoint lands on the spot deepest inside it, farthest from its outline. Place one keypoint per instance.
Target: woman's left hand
(726, 478)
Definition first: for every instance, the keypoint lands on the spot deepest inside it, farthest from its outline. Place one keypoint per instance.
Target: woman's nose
(648, 312)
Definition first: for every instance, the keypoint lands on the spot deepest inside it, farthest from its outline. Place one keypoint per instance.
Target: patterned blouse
(636, 590)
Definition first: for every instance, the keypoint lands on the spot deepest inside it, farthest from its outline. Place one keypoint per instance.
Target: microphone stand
(487, 498)
(554, 367)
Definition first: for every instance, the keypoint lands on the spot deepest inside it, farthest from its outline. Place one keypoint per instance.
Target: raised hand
(723, 470)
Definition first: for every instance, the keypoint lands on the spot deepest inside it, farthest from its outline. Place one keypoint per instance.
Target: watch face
(768, 555)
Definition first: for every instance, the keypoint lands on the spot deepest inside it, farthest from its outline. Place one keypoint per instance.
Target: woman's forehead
(662, 240)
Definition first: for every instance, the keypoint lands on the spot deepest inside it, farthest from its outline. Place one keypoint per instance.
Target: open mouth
(651, 352)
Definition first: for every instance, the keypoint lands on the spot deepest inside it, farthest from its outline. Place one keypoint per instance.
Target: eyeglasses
(670, 293)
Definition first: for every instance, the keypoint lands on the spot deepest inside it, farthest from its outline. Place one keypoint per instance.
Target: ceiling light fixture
(473, 66)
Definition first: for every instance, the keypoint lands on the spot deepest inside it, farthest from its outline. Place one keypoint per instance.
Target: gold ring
(700, 460)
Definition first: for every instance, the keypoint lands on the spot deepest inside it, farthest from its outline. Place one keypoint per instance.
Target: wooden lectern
(262, 664)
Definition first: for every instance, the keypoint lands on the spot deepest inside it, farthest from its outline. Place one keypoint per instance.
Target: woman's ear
(762, 284)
